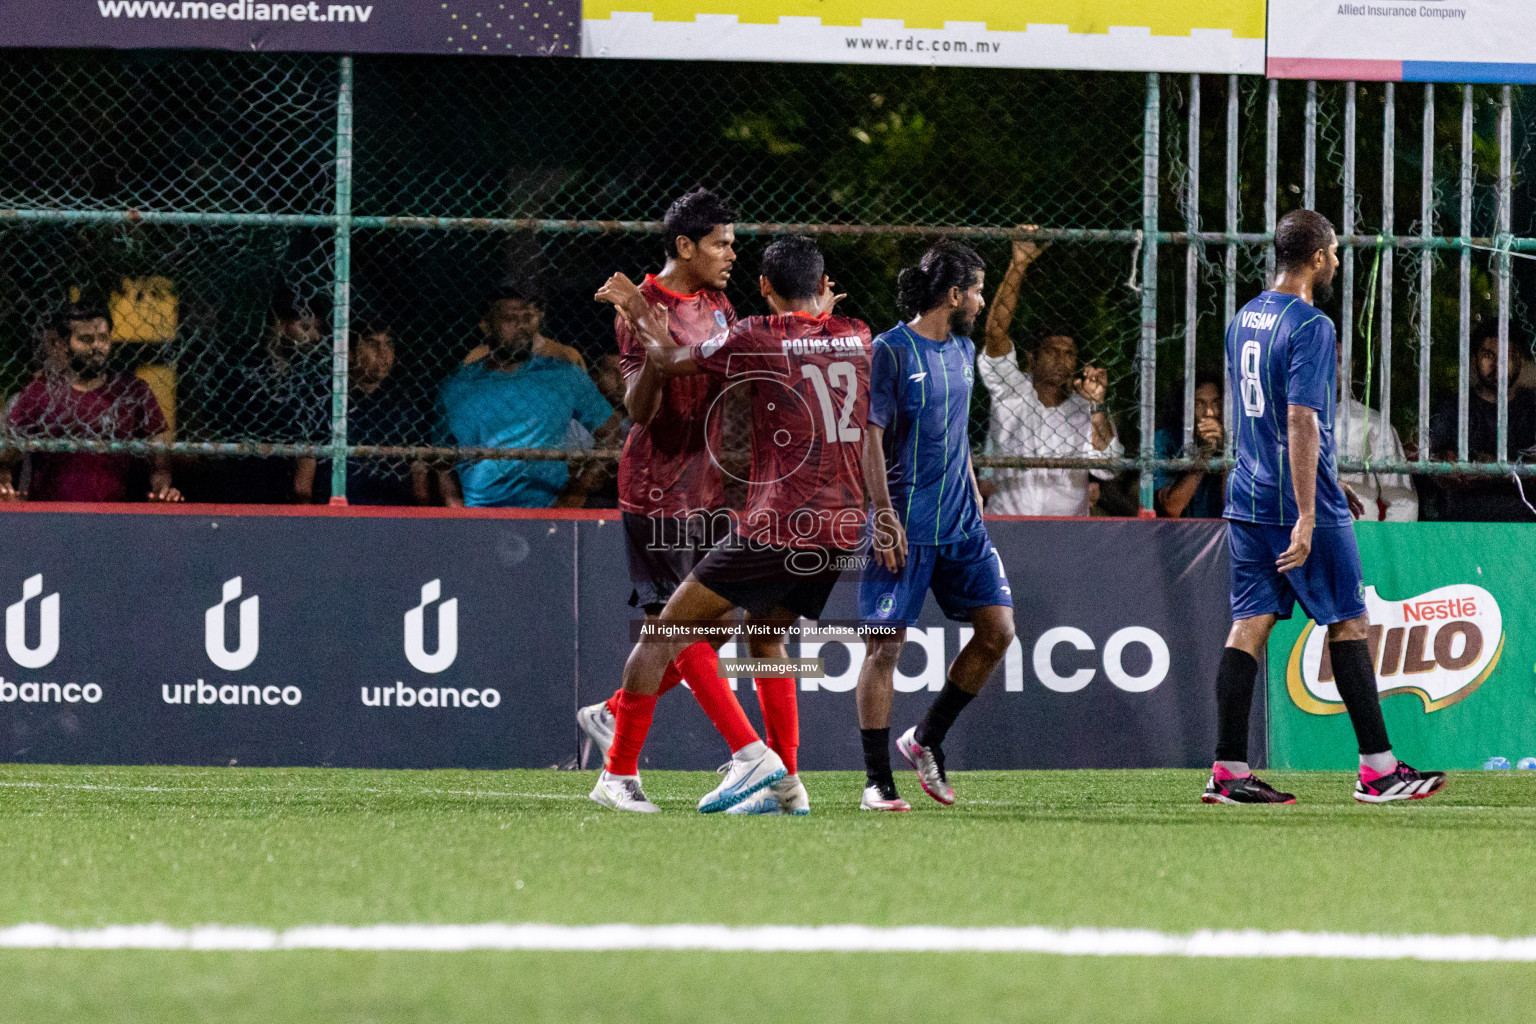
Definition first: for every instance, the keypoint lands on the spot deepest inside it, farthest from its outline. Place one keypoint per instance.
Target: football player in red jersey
(808, 374)
(671, 496)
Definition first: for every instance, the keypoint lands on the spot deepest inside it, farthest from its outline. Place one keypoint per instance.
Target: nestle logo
(1441, 645)
(1429, 611)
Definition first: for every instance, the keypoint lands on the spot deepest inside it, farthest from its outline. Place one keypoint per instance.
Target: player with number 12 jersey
(807, 370)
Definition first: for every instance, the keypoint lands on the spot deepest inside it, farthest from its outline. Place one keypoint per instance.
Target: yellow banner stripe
(1164, 17)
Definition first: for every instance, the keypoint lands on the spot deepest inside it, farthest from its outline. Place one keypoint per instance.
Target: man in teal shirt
(514, 399)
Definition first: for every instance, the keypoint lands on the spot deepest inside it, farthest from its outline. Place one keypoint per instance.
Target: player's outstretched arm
(650, 324)
(669, 358)
(1304, 441)
(642, 388)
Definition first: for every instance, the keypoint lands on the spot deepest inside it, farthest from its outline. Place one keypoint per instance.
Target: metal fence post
(1503, 273)
(341, 312)
(1426, 269)
(1347, 298)
(1151, 130)
(1309, 151)
(1464, 322)
(1388, 251)
(1271, 176)
(1229, 281)
(1191, 263)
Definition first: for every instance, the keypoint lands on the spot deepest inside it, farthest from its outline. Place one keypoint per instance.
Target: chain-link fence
(303, 256)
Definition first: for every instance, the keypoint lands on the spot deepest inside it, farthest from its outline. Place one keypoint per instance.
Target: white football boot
(881, 798)
(622, 793)
(596, 721)
(750, 769)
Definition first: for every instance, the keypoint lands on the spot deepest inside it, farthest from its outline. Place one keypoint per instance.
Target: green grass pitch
(83, 847)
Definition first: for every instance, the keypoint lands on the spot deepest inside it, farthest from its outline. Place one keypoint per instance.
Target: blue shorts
(1329, 584)
(964, 576)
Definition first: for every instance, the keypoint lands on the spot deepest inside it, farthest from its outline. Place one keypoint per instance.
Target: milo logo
(1440, 645)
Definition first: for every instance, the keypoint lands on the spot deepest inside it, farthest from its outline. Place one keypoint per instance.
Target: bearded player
(1289, 523)
(669, 485)
(808, 374)
(926, 526)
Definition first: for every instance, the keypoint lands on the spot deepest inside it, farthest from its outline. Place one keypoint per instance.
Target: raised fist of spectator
(1093, 384)
(1026, 252)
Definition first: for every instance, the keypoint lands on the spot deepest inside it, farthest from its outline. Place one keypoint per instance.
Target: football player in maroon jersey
(666, 474)
(808, 374)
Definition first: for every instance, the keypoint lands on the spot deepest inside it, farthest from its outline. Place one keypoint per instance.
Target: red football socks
(632, 722)
(701, 668)
(669, 680)
(781, 717)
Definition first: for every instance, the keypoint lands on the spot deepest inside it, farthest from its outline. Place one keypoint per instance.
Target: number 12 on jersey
(842, 374)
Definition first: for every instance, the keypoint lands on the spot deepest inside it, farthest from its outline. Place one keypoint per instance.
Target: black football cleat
(1404, 783)
(1250, 789)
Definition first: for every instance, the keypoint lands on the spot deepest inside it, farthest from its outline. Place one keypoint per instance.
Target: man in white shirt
(1052, 411)
(1362, 435)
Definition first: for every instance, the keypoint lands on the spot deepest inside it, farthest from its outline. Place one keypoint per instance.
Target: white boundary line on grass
(842, 938)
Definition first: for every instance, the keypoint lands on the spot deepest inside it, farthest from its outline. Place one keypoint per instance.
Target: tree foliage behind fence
(240, 182)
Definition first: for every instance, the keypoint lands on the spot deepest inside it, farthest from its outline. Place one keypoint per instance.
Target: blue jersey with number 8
(1281, 352)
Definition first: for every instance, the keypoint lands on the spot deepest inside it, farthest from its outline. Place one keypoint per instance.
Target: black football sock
(1234, 701)
(877, 754)
(1355, 676)
(946, 707)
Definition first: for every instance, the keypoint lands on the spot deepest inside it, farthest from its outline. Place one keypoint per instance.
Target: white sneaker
(876, 799)
(751, 768)
(622, 793)
(597, 722)
(787, 796)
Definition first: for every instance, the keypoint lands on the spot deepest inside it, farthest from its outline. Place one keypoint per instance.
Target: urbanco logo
(447, 631)
(48, 626)
(249, 626)
(1121, 668)
(1441, 645)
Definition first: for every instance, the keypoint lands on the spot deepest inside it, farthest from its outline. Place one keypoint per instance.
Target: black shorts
(760, 578)
(662, 552)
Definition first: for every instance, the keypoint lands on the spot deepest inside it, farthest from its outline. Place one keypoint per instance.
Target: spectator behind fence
(1196, 493)
(380, 413)
(1362, 435)
(75, 397)
(1051, 411)
(1484, 498)
(280, 392)
(506, 317)
(514, 398)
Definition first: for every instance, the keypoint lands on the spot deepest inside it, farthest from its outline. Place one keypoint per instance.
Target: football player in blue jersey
(1289, 524)
(925, 518)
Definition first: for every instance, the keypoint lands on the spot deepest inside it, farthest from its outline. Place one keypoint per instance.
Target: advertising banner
(549, 28)
(1403, 40)
(1119, 632)
(1143, 35)
(435, 641)
(278, 640)
(1453, 636)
